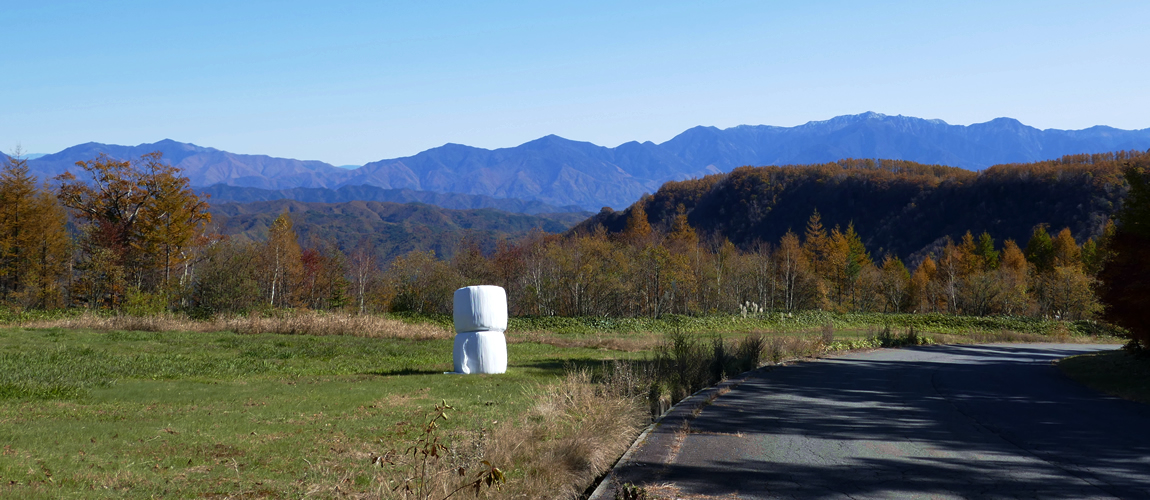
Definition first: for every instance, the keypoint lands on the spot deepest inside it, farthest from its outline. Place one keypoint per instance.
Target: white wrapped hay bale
(481, 308)
(480, 352)
(480, 318)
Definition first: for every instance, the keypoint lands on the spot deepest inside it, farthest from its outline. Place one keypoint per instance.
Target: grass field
(110, 414)
(102, 409)
(1117, 373)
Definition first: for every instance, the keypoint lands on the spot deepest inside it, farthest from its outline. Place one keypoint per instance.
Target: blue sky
(353, 82)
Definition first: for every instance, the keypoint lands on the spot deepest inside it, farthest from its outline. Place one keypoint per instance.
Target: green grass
(799, 321)
(1117, 373)
(95, 414)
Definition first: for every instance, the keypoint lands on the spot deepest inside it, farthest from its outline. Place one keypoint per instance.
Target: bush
(886, 338)
(749, 352)
(685, 362)
(828, 333)
(140, 303)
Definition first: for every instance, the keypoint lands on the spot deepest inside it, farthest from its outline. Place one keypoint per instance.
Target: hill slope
(899, 207)
(393, 228)
(454, 201)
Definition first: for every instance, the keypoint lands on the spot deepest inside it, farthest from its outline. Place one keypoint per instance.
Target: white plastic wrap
(480, 352)
(480, 308)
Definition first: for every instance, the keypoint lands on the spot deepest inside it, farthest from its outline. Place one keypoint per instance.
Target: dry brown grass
(1062, 336)
(780, 346)
(291, 323)
(326, 323)
(670, 491)
(574, 434)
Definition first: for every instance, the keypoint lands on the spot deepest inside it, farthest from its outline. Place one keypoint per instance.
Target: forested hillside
(899, 207)
(391, 228)
(454, 201)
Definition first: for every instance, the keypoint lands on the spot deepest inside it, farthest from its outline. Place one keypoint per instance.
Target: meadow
(327, 405)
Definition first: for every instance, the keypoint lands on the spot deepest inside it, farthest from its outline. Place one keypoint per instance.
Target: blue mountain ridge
(561, 172)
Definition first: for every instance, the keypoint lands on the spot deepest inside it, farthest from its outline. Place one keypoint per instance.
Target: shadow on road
(991, 420)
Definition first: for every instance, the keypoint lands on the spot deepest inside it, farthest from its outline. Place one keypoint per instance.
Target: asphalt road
(989, 421)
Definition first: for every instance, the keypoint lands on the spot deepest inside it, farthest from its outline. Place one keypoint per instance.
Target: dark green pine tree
(1040, 249)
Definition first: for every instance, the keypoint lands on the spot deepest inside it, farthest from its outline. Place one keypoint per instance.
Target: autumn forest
(856, 235)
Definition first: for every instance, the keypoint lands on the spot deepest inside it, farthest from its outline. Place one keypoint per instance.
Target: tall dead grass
(290, 323)
(780, 347)
(1009, 336)
(573, 435)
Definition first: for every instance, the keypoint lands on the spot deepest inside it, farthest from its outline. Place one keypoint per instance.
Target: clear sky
(353, 82)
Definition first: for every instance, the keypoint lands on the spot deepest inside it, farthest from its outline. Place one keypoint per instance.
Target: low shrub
(886, 338)
(828, 333)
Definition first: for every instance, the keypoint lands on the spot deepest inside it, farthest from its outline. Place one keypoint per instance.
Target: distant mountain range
(203, 166)
(560, 172)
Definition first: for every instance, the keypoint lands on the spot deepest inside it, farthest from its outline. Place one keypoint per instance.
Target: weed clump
(886, 338)
(827, 334)
(681, 365)
(425, 468)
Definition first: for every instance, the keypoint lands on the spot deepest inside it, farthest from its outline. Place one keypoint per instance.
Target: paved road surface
(989, 421)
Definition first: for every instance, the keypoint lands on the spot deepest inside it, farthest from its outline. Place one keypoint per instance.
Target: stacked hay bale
(480, 319)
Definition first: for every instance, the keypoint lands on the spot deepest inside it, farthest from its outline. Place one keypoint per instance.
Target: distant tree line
(138, 240)
(647, 272)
